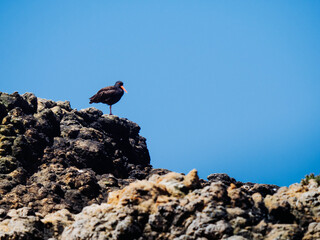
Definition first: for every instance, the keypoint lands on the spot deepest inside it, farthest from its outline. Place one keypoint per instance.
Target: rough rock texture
(53, 157)
(68, 174)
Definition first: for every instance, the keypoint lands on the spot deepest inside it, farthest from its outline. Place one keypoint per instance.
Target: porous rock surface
(53, 157)
(68, 174)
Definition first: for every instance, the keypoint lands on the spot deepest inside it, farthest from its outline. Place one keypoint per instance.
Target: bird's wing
(103, 94)
(106, 90)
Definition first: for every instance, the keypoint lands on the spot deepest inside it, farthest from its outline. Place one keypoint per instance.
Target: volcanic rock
(52, 157)
(69, 174)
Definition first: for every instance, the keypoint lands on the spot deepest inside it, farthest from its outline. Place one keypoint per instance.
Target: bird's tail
(92, 99)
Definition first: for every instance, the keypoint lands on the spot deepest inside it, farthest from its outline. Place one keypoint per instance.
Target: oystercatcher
(109, 95)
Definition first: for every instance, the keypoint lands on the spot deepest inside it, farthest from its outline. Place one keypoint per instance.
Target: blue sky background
(220, 86)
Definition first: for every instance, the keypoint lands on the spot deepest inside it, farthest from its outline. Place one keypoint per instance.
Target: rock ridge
(69, 174)
(54, 157)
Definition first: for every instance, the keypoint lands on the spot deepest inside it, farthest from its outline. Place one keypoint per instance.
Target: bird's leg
(110, 110)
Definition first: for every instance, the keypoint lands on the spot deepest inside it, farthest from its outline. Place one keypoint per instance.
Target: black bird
(109, 95)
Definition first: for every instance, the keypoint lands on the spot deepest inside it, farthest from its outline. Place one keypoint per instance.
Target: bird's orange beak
(124, 89)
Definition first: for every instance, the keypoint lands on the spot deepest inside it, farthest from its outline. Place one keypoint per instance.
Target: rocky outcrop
(68, 174)
(177, 206)
(54, 157)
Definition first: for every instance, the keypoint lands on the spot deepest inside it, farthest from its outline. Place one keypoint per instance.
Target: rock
(296, 202)
(221, 177)
(285, 232)
(43, 104)
(127, 210)
(31, 100)
(11, 101)
(69, 174)
(235, 237)
(22, 224)
(167, 206)
(239, 197)
(57, 222)
(263, 189)
(313, 231)
(158, 171)
(191, 181)
(46, 149)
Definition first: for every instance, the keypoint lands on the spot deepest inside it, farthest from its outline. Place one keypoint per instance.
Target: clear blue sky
(221, 86)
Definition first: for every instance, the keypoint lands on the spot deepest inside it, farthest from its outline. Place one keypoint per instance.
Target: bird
(109, 95)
